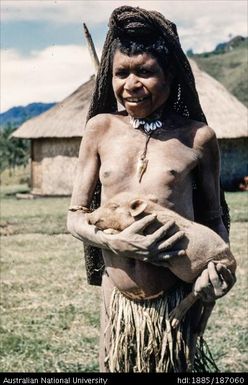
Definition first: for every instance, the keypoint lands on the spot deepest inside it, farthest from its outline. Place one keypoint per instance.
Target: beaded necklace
(148, 126)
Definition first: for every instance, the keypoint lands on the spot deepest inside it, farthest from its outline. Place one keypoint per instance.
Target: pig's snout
(99, 223)
(95, 220)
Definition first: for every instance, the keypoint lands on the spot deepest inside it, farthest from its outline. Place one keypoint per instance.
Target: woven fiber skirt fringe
(142, 340)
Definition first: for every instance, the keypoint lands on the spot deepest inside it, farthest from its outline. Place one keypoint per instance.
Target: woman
(159, 144)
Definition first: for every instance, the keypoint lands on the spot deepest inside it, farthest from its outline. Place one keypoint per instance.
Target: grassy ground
(13, 177)
(50, 316)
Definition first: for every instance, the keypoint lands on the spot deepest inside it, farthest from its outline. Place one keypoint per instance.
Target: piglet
(201, 244)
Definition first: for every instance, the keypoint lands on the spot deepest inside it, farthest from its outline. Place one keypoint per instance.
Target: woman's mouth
(136, 99)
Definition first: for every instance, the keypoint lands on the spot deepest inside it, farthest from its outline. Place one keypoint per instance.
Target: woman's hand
(155, 248)
(214, 282)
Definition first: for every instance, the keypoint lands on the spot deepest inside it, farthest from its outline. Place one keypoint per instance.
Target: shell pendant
(141, 167)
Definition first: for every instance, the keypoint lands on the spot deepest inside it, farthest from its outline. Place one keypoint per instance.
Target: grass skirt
(142, 340)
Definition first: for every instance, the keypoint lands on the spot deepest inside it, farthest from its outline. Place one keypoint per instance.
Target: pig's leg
(180, 310)
(107, 289)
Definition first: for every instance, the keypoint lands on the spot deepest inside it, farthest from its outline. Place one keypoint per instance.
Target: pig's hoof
(175, 318)
(175, 323)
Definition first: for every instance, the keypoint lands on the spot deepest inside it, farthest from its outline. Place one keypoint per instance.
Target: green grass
(42, 215)
(13, 177)
(227, 330)
(50, 315)
(238, 206)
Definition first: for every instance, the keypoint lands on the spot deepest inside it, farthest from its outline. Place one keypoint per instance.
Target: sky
(44, 56)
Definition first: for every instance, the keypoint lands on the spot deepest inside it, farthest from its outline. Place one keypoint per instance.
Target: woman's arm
(216, 280)
(84, 185)
(208, 181)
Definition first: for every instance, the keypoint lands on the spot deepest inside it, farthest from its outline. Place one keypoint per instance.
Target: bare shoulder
(98, 122)
(204, 135)
(200, 134)
(101, 123)
(206, 144)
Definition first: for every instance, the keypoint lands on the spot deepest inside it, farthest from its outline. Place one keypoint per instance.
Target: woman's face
(139, 83)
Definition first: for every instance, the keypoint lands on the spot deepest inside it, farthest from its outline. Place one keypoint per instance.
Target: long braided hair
(126, 26)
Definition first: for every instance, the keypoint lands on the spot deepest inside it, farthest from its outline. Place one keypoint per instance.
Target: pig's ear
(137, 206)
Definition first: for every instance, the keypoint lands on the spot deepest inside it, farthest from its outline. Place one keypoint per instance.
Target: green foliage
(229, 68)
(190, 52)
(13, 152)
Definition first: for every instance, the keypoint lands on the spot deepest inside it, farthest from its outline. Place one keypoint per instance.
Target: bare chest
(167, 162)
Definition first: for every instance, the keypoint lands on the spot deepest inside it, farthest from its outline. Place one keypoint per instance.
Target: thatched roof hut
(55, 139)
(56, 135)
(224, 112)
(229, 118)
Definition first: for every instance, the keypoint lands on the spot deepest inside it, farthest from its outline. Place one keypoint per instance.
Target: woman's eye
(121, 74)
(114, 207)
(144, 72)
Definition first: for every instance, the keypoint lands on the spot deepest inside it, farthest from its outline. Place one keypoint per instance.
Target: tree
(190, 52)
(13, 152)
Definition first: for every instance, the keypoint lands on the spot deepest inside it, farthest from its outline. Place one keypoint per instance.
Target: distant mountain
(228, 64)
(15, 116)
(235, 42)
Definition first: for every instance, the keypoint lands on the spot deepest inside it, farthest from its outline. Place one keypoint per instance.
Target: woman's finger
(214, 277)
(170, 242)
(141, 224)
(162, 231)
(168, 255)
(202, 282)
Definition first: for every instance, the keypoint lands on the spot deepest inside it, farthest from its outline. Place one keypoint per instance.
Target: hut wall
(54, 163)
(36, 167)
(234, 162)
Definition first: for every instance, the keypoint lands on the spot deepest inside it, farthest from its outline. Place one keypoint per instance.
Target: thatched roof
(225, 114)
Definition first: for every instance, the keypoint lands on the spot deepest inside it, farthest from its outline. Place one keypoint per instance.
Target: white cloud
(51, 74)
(204, 33)
(60, 11)
(65, 11)
(201, 24)
(46, 76)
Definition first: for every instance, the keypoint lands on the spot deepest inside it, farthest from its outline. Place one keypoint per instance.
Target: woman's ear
(137, 206)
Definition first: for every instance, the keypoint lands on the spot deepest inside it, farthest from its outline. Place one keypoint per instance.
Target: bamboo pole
(91, 48)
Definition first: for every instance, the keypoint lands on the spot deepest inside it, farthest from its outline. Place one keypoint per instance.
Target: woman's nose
(132, 83)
